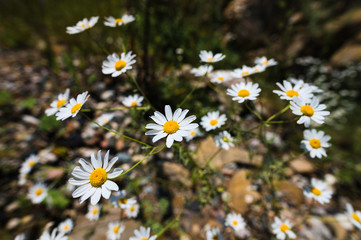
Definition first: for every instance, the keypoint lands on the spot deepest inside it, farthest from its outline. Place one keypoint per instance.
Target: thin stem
(115, 109)
(278, 113)
(118, 133)
(286, 121)
(191, 92)
(252, 111)
(213, 156)
(170, 223)
(141, 91)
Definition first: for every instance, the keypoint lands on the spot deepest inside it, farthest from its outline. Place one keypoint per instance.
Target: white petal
(96, 196)
(111, 185)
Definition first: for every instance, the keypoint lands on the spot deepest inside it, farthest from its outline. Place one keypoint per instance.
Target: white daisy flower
(289, 92)
(133, 101)
(53, 236)
(315, 142)
(213, 120)
(314, 89)
(224, 140)
(214, 234)
(282, 229)
(66, 226)
(318, 191)
(309, 111)
(220, 77)
(173, 126)
(93, 178)
(235, 221)
(244, 91)
(115, 229)
(114, 22)
(103, 119)
(353, 216)
(93, 212)
(143, 234)
(20, 237)
(119, 199)
(265, 62)
(258, 68)
(82, 25)
(38, 193)
(132, 210)
(202, 70)
(57, 104)
(29, 164)
(207, 56)
(242, 72)
(22, 178)
(116, 65)
(73, 107)
(192, 134)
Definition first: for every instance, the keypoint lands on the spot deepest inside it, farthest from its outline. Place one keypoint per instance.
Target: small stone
(302, 165)
(177, 173)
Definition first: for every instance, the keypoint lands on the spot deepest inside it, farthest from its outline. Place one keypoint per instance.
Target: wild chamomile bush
(214, 107)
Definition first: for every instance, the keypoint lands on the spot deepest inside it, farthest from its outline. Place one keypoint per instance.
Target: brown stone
(302, 165)
(177, 173)
(290, 192)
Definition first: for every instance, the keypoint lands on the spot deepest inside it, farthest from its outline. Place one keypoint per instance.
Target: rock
(12, 223)
(31, 120)
(290, 192)
(350, 52)
(207, 148)
(12, 207)
(302, 165)
(177, 173)
(241, 192)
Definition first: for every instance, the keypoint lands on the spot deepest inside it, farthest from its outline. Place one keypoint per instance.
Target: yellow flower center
(60, 103)
(75, 108)
(122, 200)
(66, 227)
(315, 143)
(213, 122)
(95, 211)
(307, 110)
(133, 104)
(119, 65)
(170, 127)
(235, 223)
(284, 228)
(132, 208)
(98, 177)
(116, 229)
(292, 93)
(243, 93)
(316, 191)
(265, 62)
(221, 79)
(356, 217)
(225, 139)
(119, 20)
(245, 73)
(83, 25)
(193, 132)
(144, 239)
(210, 59)
(38, 191)
(31, 163)
(256, 69)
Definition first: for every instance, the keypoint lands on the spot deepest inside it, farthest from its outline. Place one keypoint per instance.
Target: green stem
(276, 114)
(213, 156)
(252, 111)
(141, 91)
(115, 109)
(170, 223)
(286, 121)
(191, 92)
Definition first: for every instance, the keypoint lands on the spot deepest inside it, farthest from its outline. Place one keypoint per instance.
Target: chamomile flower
(103, 119)
(220, 77)
(192, 134)
(143, 234)
(115, 229)
(73, 107)
(214, 234)
(282, 229)
(132, 210)
(133, 101)
(202, 70)
(265, 62)
(289, 92)
(315, 142)
(242, 72)
(314, 89)
(93, 178)
(38, 193)
(116, 65)
(29, 164)
(82, 25)
(20, 237)
(22, 178)
(93, 212)
(119, 199)
(309, 110)
(235, 221)
(207, 56)
(53, 236)
(318, 191)
(213, 120)
(224, 140)
(57, 104)
(258, 68)
(173, 126)
(66, 226)
(353, 216)
(244, 91)
(114, 22)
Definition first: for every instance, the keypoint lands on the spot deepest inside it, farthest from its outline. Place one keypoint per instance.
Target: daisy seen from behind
(116, 65)
(289, 92)
(224, 140)
(143, 234)
(309, 110)
(73, 107)
(315, 142)
(82, 25)
(114, 22)
(202, 70)
(38, 193)
(282, 229)
(214, 234)
(208, 57)
(174, 126)
(213, 120)
(220, 77)
(53, 236)
(353, 216)
(66, 226)
(133, 101)
(244, 91)
(115, 229)
(57, 104)
(235, 221)
(93, 178)
(265, 62)
(93, 212)
(318, 191)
